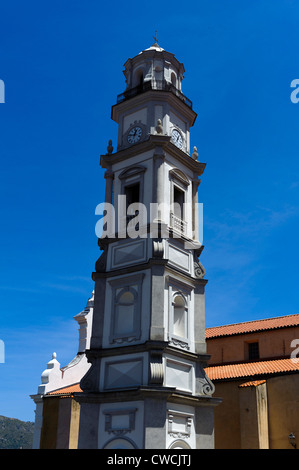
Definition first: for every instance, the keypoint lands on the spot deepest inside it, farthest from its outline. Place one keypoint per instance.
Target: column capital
(196, 182)
(159, 153)
(109, 174)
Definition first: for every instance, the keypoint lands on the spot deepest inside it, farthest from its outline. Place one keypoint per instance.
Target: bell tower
(146, 387)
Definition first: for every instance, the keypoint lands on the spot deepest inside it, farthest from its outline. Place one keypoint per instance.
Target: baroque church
(138, 380)
(148, 374)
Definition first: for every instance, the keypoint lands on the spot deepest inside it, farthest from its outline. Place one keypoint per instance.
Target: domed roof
(154, 47)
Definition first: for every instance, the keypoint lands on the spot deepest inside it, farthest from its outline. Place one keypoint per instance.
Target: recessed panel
(123, 374)
(179, 258)
(129, 253)
(179, 375)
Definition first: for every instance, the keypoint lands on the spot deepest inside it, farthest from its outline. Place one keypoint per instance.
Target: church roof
(252, 369)
(252, 326)
(252, 383)
(154, 47)
(66, 391)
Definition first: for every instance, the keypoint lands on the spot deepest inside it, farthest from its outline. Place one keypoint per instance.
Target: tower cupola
(155, 68)
(153, 96)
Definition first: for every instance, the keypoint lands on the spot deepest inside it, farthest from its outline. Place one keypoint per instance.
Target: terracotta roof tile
(66, 391)
(255, 325)
(252, 383)
(251, 369)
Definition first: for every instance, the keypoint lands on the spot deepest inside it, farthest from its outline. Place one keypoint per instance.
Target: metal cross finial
(155, 37)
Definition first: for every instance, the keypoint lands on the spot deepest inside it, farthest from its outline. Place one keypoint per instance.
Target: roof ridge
(253, 363)
(253, 321)
(252, 369)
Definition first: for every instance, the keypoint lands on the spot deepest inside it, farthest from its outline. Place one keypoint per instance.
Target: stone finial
(159, 127)
(194, 154)
(110, 147)
(51, 376)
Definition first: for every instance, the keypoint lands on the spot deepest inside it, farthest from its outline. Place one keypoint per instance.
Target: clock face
(134, 135)
(177, 139)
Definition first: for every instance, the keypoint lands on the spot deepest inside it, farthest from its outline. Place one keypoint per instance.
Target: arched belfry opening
(138, 78)
(173, 79)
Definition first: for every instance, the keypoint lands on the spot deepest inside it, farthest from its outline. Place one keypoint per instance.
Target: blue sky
(62, 64)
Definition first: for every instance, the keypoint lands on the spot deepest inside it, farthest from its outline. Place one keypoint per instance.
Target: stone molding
(119, 431)
(149, 144)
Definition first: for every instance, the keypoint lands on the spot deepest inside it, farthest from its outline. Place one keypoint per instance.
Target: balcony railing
(161, 85)
(177, 224)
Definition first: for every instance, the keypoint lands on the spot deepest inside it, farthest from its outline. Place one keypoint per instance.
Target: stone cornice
(150, 96)
(170, 394)
(162, 141)
(129, 269)
(148, 265)
(148, 229)
(148, 346)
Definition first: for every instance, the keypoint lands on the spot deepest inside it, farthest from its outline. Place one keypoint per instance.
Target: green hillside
(15, 434)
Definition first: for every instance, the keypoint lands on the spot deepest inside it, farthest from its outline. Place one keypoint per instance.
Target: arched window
(125, 307)
(179, 444)
(120, 443)
(178, 195)
(126, 296)
(173, 79)
(178, 202)
(179, 316)
(138, 78)
(140, 82)
(180, 309)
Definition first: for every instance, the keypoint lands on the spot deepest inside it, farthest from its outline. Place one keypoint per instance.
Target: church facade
(142, 376)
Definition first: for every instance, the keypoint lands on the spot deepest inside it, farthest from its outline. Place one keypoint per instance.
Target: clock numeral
(177, 138)
(134, 135)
